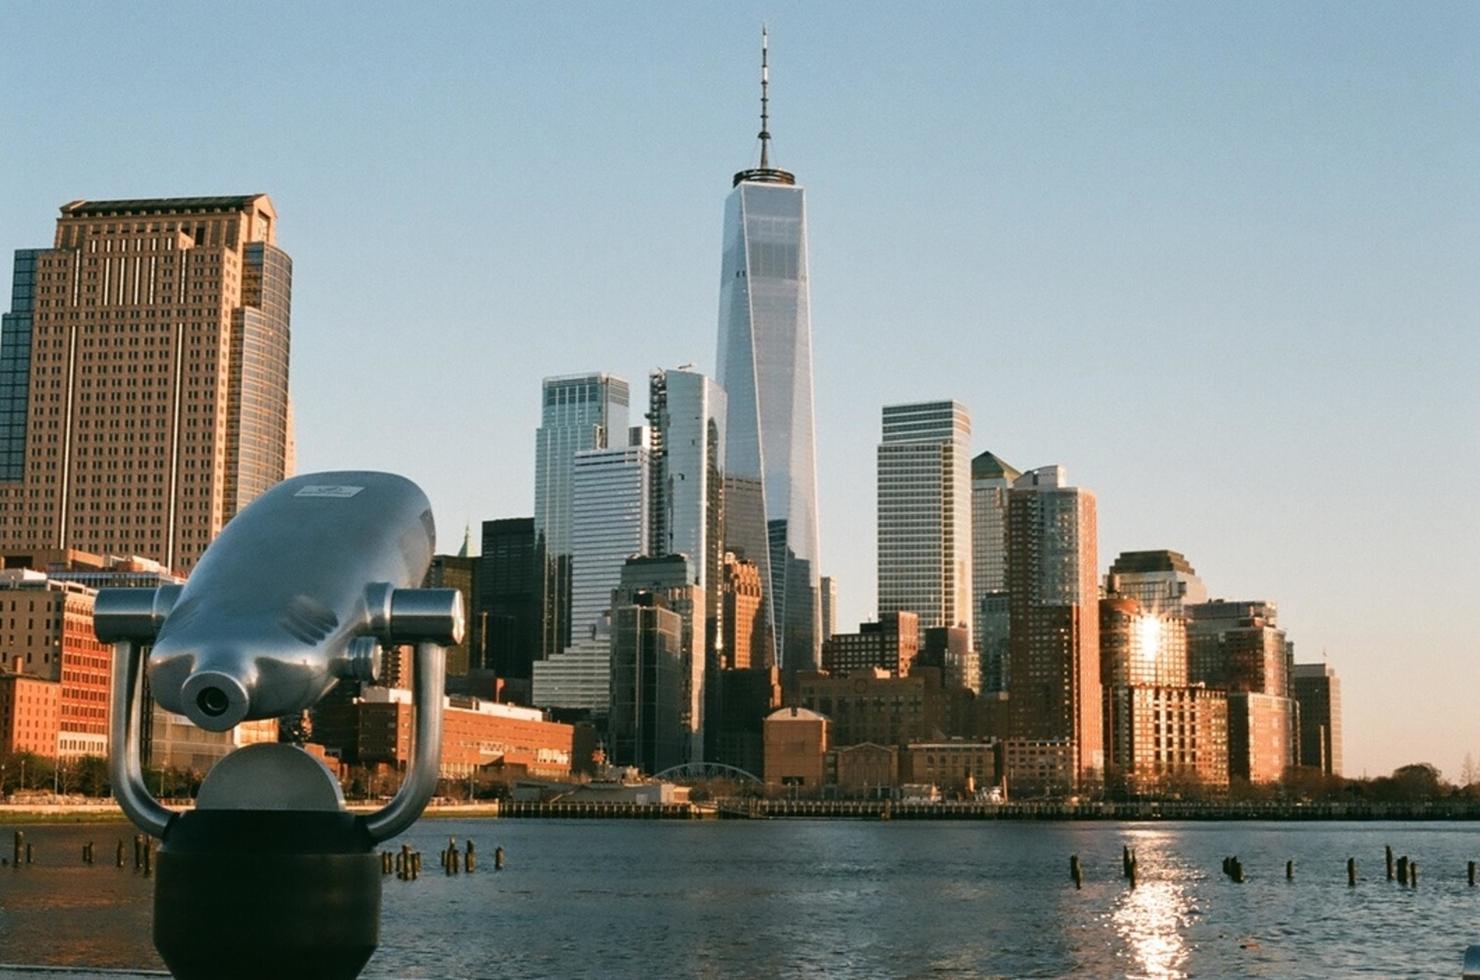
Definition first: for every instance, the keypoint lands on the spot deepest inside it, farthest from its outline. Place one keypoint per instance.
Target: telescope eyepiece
(214, 700)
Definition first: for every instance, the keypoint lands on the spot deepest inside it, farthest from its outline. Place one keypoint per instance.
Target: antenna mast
(765, 133)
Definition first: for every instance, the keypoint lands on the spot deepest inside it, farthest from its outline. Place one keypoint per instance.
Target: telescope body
(295, 594)
(269, 875)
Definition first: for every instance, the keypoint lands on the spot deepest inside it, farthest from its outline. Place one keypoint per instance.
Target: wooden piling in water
(1289, 870)
(1351, 872)
(1403, 870)
(415, 864)
(138, 852)
(1075, 872)
(1472, 874)
(148, 859)
(1412, 874)
(119, 853)
(30, 852)
(1388, 856)
(470, 860)
(1135, 870)
(19, 849)
(498, 859)
(1125, 860)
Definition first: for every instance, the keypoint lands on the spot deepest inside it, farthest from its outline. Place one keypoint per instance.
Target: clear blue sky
(1221, 261)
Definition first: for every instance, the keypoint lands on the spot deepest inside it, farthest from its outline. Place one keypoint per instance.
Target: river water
(612, 898)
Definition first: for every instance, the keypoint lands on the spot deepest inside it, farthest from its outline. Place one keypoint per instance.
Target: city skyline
(1273, 451)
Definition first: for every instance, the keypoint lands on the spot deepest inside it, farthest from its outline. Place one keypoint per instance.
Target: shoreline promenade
(761, 809)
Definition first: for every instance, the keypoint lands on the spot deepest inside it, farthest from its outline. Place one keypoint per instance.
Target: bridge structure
(691, 772)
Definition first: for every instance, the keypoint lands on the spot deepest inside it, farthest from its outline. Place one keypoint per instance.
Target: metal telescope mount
(270, 874)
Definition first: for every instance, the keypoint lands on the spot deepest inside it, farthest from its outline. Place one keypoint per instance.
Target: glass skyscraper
(609, 523)
(925, 513)
(580, 412)
(765, 367)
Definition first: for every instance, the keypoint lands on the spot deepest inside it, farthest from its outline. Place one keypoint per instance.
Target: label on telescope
(328, 491)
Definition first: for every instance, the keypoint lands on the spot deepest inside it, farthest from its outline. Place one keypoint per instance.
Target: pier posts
(1351, 872)
(1388, 852)
(1077, 873)
(1135, 869)
(1412, 874)
(148, 859)
(1403, 870)
(1289, 870)
(1472, 874)
(498, 859)
(470, 860)
(1125, 861)
(119, 853)
(19, 849)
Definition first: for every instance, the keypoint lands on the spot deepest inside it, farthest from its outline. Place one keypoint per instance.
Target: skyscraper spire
(765, 173)
(765, 133)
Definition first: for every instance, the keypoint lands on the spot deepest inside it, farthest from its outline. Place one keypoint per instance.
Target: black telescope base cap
(231, 902)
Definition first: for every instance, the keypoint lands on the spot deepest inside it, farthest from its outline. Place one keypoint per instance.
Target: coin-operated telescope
(270, 875)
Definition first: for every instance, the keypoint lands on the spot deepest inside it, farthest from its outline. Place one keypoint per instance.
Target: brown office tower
(890, 644)
(1053, 672)
(1318, 692)
(1162, 735)
(1239, 647)
(144, 377)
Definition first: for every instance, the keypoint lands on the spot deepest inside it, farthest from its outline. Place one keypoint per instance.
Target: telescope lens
(213, 701)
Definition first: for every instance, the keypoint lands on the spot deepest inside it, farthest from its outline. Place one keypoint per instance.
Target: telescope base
(227, 911)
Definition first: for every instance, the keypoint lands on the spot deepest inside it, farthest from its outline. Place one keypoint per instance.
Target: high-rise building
(1318, 692)
(658, 691)
(1261, 736)
(925, 513)
(994, 619)
(580, 412)
(610, 497)
(144, 377)
(734, 734)
(646, 686)
(1163, 582)
(891, 644)
(1238, 646)
(456, 572)
(948, 649)
(1140, 647)
(829, 589)
(742, 646)
(1161, 734)
(686, 417)
(506, 615)
(991, 478)
(765, 367)
(1053, 672)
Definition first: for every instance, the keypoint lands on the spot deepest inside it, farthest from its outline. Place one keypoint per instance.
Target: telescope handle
(427, 681)
(125, 770)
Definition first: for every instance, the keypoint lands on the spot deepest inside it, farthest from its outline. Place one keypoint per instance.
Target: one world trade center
(765, 366)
